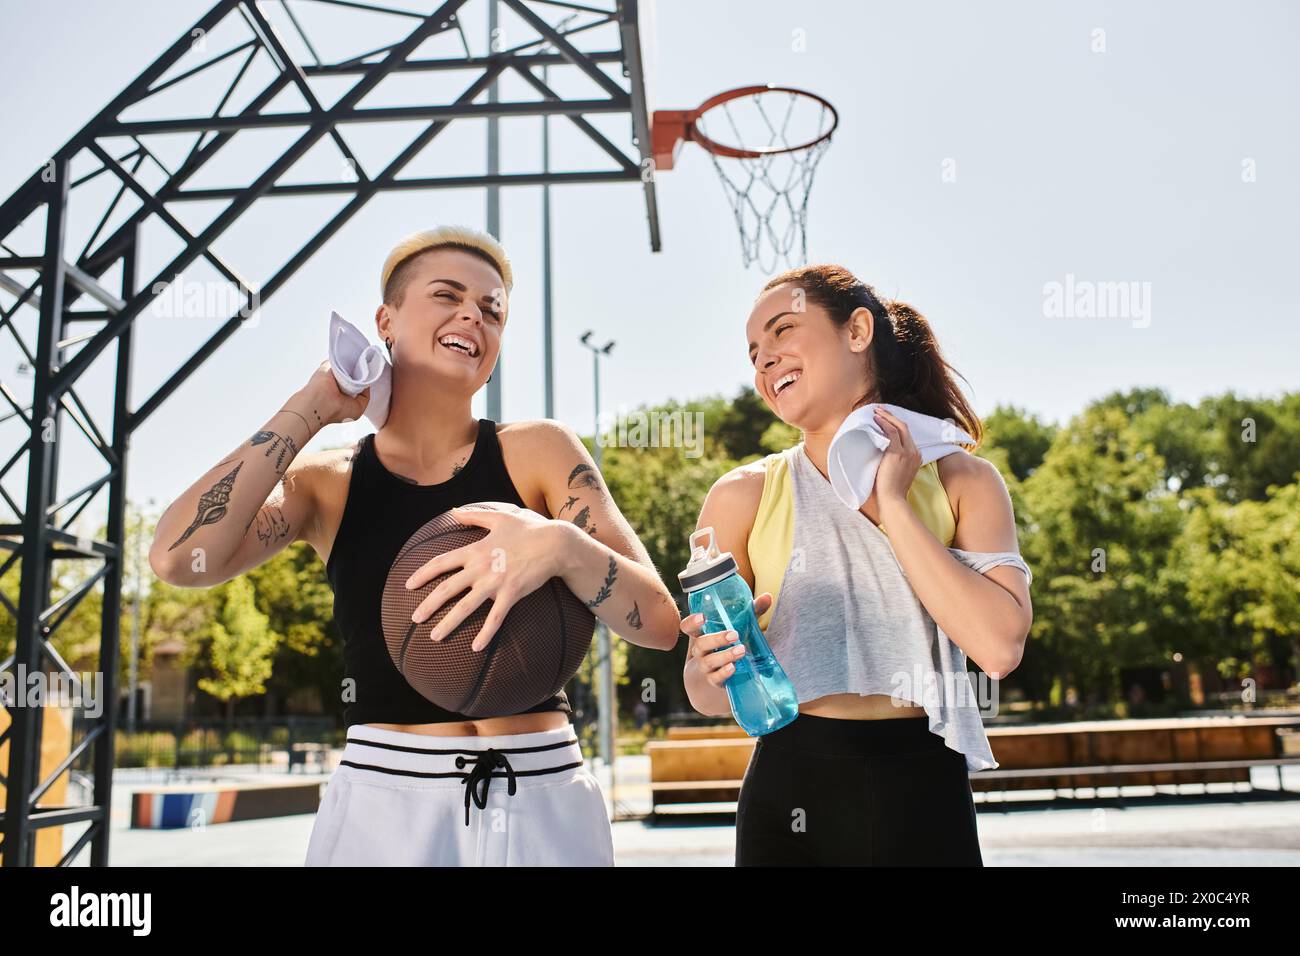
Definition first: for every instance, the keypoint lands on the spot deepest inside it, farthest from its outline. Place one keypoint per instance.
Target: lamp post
(596, 352)
(494, 196)
(548, 374)
(133, 672)
(607, 710)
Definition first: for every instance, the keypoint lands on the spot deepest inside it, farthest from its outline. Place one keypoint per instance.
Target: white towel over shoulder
(859, 444)
(358, 365)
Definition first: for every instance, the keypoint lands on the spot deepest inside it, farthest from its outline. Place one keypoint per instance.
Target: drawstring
(480, 778)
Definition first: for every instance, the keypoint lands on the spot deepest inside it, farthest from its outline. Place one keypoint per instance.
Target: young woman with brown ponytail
(873, 628)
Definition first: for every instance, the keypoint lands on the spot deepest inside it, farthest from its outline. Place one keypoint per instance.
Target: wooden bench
(699, 732)
(705, 765)
(1152, 753)
(697, 765)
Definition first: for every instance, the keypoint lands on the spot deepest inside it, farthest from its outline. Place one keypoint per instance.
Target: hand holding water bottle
(761, 696)
(716, 664)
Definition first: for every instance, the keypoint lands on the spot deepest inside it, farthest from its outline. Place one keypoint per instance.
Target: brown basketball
(538, 647)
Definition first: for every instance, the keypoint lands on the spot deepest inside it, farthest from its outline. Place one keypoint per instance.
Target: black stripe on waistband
(424, 750)
(455, 773)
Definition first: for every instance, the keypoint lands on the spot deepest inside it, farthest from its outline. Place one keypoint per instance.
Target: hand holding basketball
(538, 637)
(520, 553)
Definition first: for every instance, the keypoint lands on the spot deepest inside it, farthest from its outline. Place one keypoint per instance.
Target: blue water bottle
(762, 697)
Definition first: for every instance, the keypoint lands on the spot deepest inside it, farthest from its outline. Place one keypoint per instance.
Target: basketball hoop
(765, 143)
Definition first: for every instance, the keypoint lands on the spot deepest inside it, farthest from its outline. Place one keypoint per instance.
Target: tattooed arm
(603, 561)
(254, 502)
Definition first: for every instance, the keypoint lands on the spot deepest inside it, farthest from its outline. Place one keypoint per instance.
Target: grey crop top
(847, 620)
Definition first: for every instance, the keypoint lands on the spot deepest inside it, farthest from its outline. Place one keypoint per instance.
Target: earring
(389, 345)
(489, 378)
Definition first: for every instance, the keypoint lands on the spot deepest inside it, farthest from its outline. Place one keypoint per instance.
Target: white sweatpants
(403, 799)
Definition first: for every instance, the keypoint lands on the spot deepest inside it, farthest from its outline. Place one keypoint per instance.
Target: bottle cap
(707, 564)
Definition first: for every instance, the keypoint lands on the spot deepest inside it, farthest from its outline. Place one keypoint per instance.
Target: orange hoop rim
(688, 118)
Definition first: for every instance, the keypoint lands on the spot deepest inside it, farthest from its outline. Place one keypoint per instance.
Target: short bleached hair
(445, 237)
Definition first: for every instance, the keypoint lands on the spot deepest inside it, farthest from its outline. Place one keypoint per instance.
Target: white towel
(859, 444)
(983, 561)
(358, 365)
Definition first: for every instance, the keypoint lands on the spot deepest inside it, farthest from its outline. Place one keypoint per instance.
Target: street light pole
(133, 675)
(547, 357)
(133, 663)
(548, 373)
(607, 708)
(494, 197)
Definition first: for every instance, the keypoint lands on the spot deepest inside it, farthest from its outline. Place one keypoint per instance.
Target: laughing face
(448, 317)
(809, 370)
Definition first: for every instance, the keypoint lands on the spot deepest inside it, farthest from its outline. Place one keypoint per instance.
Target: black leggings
(825, 792)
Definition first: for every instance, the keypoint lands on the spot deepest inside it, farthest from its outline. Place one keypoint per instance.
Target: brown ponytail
(907, 368)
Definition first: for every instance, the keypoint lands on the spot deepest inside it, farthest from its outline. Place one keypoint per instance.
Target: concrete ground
(1226, 827)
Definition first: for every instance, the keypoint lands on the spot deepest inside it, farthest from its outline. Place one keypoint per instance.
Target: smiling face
(809, 370)
(448, 315)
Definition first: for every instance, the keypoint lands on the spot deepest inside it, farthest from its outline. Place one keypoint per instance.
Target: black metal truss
(62, 278)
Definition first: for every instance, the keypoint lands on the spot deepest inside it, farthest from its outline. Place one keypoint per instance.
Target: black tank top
(381, 514)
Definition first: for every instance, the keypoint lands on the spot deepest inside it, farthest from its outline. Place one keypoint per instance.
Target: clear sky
(985, 152)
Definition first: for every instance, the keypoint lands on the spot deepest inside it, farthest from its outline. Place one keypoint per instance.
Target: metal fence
(252, 742)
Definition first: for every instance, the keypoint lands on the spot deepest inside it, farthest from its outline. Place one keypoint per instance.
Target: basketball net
(769, 191)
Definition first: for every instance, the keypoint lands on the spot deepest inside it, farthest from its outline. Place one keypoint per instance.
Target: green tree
(1020, 435)
(295, 595)
(1254, 444)
(1101, 523)
(1243, 576)
(238, 645)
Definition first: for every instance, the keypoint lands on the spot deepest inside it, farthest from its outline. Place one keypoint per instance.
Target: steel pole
(494, 199)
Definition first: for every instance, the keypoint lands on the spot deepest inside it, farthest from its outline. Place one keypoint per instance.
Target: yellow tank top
(771, 538)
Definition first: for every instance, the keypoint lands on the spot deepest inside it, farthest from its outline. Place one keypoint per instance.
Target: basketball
(539, 646)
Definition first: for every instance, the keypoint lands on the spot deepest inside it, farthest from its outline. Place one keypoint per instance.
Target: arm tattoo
(304, 420)
(634, 618)
(456, 469)
(271, 525)
(605, 588)
(274, 499)
(212, 504)
(582, 518)
(584, 476)
(278, 445)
